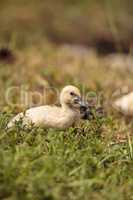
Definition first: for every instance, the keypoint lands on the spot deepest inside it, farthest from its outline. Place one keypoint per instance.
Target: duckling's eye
(72, 93)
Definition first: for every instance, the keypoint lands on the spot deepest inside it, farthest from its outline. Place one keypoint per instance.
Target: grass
(74, 164)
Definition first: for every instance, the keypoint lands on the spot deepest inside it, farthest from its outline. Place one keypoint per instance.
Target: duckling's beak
(81, 103)
(83, 106)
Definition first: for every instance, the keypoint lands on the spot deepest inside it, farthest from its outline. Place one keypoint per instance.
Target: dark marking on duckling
(92, 112)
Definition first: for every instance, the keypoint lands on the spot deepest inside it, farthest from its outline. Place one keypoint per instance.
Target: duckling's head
(71, 97)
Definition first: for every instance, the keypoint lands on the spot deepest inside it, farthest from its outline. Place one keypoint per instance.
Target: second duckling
(125, 104)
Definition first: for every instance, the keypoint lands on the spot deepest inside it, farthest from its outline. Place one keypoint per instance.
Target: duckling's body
(125, 104)
(47, 116)
(53, 116)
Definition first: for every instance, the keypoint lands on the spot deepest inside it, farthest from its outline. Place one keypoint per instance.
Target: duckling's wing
(19, 118)
(32, 115)
(44, 115)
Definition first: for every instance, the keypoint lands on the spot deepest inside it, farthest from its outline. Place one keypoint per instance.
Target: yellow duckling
(125, 104)
(53, 116)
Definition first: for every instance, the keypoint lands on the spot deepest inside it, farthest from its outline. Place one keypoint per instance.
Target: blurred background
(106, 25)
(56, 42)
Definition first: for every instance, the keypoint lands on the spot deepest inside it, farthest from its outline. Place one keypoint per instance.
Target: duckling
(125, 104)
(53, 116)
